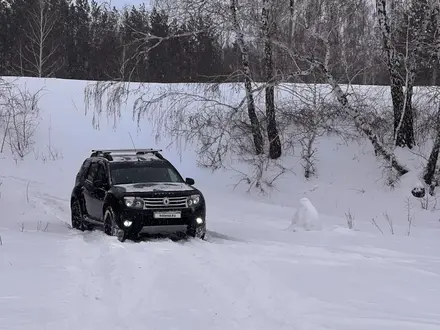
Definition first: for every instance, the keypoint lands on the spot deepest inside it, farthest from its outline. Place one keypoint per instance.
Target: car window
(143, 174)
(83, 170)
(101, 173)
(92, 172)
(173, 176)
(81, 175)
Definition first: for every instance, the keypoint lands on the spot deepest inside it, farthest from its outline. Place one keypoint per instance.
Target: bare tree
(116, 91)
(5, 117)
(225, 129)
(351, 111)
(396, 83)
(402, 66)
(186, 8)
(430, 169)
(291, 22)
(37, 54)
(272, 130)
(256, 130)
(361, 123)
(308, 113)
(20, 118)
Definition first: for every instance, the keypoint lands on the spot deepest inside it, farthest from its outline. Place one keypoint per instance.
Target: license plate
(168, 215)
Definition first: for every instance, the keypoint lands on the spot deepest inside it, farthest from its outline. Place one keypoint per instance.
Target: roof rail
(125, 152)
(140, 151)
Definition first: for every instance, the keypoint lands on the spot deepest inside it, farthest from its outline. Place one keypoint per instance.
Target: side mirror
(190, 181)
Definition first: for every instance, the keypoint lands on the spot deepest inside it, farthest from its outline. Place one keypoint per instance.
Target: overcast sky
(123, 3)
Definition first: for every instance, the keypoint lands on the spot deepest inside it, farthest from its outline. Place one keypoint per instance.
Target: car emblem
(166, 201)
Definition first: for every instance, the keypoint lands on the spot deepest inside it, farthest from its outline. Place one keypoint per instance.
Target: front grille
(161, 202)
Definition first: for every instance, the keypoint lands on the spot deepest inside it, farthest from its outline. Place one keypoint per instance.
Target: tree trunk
(433, 158)
(291, 22)
(359, 121)
(272, 129)
(434, 76)
(255, 125)
(398, 100)
(405, 132)
(430, 168)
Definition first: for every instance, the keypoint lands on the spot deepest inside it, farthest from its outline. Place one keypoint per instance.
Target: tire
(197, 234)
(77, 218)
(111, 228)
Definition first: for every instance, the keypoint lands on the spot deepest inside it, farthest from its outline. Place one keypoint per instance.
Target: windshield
(143, 173)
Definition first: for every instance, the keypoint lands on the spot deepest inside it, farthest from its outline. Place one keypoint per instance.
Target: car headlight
(134, 202)
(193, 200)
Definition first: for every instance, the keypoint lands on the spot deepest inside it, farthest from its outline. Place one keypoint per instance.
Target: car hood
(153, 187)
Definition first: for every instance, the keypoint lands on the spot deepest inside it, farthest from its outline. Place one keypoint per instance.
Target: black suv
(133, 192)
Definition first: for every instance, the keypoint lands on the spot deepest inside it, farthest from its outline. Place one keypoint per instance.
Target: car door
(88, 189)
(100, 186)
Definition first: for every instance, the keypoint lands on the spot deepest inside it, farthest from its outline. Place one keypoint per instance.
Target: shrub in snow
(350, 220)
(306, 217)
(419, 190)
(19, 119)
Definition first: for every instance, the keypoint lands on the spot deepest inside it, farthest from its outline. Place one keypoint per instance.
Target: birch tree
(402, 66)
(396, 83)
(272, 129)
(356, 115)
(255, 125)
(320, 37)
(38, 52)
(319, 52)
(189, 9)
(291, 22)
(430, 168)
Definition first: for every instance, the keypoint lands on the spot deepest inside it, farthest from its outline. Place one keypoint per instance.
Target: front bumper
(143, 221)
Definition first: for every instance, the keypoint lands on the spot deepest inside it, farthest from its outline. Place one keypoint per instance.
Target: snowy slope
(254, 272)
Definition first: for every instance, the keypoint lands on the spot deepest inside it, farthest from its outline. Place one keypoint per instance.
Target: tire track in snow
(107, 286)
(166, 285)
(214, 286)
(87, 309)
(217, 288)
(251, 296)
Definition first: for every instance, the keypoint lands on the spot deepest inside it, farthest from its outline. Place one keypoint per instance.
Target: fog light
(199, 221)
(127, 223)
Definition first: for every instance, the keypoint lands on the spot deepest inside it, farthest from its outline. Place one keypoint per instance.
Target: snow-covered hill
(257, 269)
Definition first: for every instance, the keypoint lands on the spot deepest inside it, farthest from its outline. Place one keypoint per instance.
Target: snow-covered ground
(258, 269)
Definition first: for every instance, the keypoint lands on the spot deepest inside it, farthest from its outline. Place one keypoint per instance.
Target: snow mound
(306, 217)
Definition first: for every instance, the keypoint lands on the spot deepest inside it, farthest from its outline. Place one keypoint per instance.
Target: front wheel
(111, 228)
(77, 217)
(198, 232)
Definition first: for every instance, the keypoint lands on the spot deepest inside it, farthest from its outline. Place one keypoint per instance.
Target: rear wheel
(77, 217)
(111, 228)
